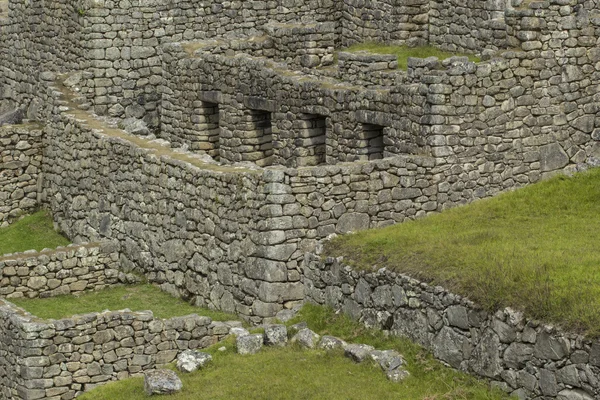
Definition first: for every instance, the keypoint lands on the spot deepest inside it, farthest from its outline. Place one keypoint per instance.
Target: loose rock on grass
(190, 360)
(161, 381)
(249, 344)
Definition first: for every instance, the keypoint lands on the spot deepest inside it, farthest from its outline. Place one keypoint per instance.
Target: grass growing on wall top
(33, 232)
(136, 298)
(534, 249)
(404, 52)
(291, 373)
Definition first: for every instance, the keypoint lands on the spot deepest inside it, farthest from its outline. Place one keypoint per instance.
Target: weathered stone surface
(249, 344)
(388, 360)
(276, 335)
(237, 331)
(552, 157)
(573, 394)
(358, 352)
(191, 360)
(397, 375)
(161, 381)
(306, 338)
(331, 343)
(449, 346)
(486, 356)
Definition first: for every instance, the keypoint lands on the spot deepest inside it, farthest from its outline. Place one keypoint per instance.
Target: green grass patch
(534, 249)
(136, 298)
(404, 52)
(291, 373)
(33, 232)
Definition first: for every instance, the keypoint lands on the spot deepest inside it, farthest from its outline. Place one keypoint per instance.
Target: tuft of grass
(136, 298)
(33, 232)
(292, 373)
(534, 249)
(404, 52)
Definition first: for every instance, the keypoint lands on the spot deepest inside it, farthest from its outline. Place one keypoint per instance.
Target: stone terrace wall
(20, 167)
(468, 25)
(195, 230)
(532, 111)
(59, 359)
(522, 357)
(12, 384)
(66, 270)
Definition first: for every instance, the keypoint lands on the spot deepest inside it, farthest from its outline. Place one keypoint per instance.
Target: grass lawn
(403, 52)
(34, 232)
(534, 249)
(136, 298)
(291, 373)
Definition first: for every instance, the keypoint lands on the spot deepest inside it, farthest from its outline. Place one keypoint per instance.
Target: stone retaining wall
(59, 359)
(66, 270)
(522, 357)
(20, 167)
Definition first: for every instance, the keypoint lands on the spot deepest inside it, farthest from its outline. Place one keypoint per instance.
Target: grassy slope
(534, 249)
(291, 373)
(136, 298)
(403, 52)
(32, 232)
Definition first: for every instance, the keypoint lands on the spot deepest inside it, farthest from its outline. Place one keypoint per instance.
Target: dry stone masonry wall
(272, 144)
(20, 167)
(66, 270)
(59, 359)
(520, 356)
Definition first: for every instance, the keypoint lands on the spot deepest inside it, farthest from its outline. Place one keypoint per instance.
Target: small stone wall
(20, 167)
(363, 68)
(66, 270)
(520, 356)
(59, 359)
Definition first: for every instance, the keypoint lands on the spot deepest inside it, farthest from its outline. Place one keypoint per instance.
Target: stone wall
(37, 37)
(522, 357)
(20, 167)
(123, 68)
(468, 25)
(360, 124)
(59, 359)
(388, 21)
(66, 270)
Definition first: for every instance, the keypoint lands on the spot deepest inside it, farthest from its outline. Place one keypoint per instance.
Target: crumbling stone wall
(63, 358)
(20, 167)
(66, 270)
(520, 356)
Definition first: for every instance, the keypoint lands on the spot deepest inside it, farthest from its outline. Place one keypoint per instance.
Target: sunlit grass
(534, 249)
(33, 232)
(136, 298)
(291, 373)
(404, 52)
